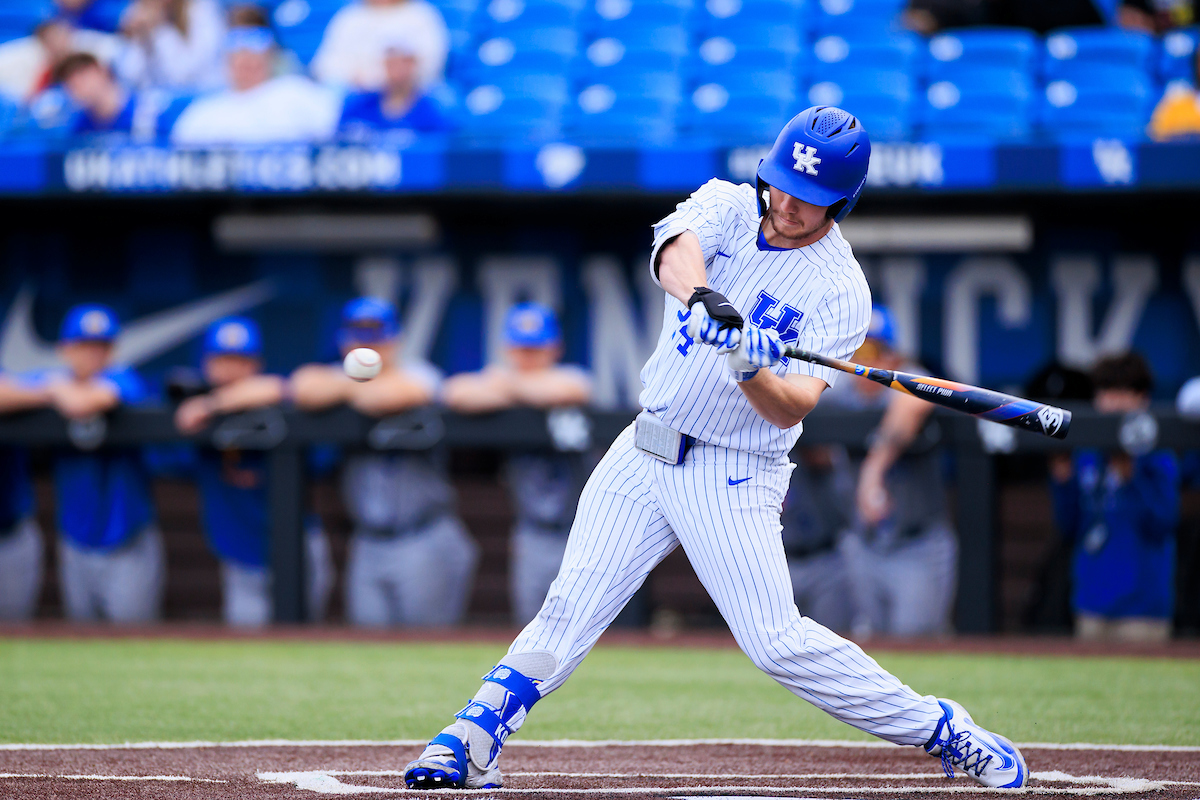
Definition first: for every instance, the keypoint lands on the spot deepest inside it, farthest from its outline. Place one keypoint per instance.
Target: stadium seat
(666, 39)
(784, 38)
(1072, 51)
(601, 116)
(991, 48)
(1177, 58)
(491, 115)
(717, 116)
(715, 15)
(548, 87)
(500, 16)
(300, 25)
(663, 86)
(501, 54)
(989, 103)
(1104, 102)
(855, 18)
(892, 51)
(617, 15)
(717, 57)
(18, 19)
(886, 117)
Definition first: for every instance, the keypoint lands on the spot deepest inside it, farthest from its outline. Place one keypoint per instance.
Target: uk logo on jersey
(786, 321)
(806, 158)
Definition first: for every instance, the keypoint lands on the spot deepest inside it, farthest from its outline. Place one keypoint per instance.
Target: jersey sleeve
(130, 387)
(836, 328)
(707, 213)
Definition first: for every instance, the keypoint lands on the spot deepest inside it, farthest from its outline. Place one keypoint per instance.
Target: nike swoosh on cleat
(732, 482)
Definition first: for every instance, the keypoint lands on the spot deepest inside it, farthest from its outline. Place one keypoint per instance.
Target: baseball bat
(1016, 412)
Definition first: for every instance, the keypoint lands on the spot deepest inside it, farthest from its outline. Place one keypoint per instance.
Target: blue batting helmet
(90, 322)
(820, 157)
(531, 325)
(233, 336)
(368, 320)
(882, 326)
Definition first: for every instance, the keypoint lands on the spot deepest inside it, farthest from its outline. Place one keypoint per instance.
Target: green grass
(136, 690)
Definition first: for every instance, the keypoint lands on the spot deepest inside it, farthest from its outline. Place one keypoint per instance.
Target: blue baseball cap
(233, 336)
(531, 325)
(257, 40)
(368, 320)
(90, 322)
(882, 327)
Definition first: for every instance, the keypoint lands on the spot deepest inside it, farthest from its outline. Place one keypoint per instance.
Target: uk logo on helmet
(806, 158)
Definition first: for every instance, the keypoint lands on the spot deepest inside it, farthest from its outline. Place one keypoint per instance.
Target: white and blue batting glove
(714, 320)
(759, 348)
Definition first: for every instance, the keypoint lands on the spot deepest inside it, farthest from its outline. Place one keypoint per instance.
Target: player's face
(248, 68)
(401, 70)
(86, 86)
(85, 359)
(1120, 401)
(226, 369)
(533, 359)
(795, 222)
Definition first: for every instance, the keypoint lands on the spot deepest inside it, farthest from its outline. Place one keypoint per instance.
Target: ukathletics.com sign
(296, 169)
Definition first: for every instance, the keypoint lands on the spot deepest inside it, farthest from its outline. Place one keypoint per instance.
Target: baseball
(362, 363)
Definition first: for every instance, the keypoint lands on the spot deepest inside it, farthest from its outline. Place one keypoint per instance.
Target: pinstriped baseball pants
(635, 510)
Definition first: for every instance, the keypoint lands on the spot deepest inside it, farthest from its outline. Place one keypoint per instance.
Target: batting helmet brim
(798, 186)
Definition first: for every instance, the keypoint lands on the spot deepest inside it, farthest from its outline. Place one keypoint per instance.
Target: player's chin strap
(500, 706)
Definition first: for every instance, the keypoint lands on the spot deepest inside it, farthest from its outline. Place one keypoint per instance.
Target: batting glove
(759, 347)
(714, 320)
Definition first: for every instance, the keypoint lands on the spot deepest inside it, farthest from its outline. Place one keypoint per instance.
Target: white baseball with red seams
(362, 364)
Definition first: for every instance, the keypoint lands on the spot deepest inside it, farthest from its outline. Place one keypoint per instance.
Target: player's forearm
(18, 398)
(254, 392)
(391, 395)
(900, 425)
(681, 266)
(779, 401)
(550, 389)
(477, 393)
(317, 387)
(79, 400)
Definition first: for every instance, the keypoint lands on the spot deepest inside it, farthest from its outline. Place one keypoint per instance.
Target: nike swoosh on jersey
(724, 254)
(732, 482)
(22, 350)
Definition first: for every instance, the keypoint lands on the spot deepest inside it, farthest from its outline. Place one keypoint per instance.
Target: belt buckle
(658, 440)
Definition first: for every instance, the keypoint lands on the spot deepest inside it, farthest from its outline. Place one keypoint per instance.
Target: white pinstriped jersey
(815, 297)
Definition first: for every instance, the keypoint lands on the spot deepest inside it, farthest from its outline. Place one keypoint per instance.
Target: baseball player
(900, 552)
(21, 547)
(111, 560)
(411, 561)
(545, 485)
(232, 483)
(705, 465)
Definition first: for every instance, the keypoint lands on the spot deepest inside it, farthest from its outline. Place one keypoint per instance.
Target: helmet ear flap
(763, 194)
(834, 212)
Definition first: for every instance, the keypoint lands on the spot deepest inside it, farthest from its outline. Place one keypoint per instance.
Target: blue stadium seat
(1178, 56)
(856, 18)
(613, 16)
(601, 116)
(717, 57)
(666, 39)
(491, 116)
(988, 103)
(457, 13)
(891, 51)
(993, 48)
(714, 15)
(1072, 51)
(1104, 102)
(784, 38)
(730, 120)
(502, 55)
(300, 24)
(886, 117)
(545, 86)
(500, 16)
(18, 18)
(663, 86)
(563, 41)
(607, 56)
(865, 81)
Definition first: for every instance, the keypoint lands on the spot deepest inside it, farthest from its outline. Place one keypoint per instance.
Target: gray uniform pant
(20, 570)
(422, 579)
(122, 585)
(821, 589)
(904, 591)
(246, 591)
(533, 565)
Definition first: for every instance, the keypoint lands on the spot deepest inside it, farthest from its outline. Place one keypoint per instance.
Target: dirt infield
(542, 770)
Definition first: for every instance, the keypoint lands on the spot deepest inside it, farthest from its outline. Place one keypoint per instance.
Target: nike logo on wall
(732, 482)
(140, 340)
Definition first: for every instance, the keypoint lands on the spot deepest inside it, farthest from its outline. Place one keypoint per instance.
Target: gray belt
(405, 531)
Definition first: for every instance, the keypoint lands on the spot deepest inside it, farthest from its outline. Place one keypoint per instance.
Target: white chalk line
(578, 743)
(164, 778)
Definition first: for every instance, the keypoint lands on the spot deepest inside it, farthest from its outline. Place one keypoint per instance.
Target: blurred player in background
(111, 560)
(233, 483)
(545, 485)
(20, 537)
(818, 507)
(901, 553)
(411, 561)
(1120, 511)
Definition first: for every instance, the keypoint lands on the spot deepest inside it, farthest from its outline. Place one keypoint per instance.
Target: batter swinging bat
(995, 406)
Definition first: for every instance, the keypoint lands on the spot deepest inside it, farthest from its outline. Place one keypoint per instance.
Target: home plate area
(542, 770)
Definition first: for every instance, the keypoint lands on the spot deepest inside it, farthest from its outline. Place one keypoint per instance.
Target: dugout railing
(285, 434)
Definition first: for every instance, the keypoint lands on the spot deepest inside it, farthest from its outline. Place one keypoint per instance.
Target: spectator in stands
(351, 53)
(411, 561)
(232, 483)
(818, 508)
(1177, 115)
(27, 65)
(545, 486)
(400, 105)
(173, 44)
(108, 108)
(258, 108)
(111, 562)
(929, 16)
(901, 552)
(20, 537)
(1120, 511)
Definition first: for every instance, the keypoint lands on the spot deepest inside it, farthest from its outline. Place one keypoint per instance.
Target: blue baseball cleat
(985, 757)
(446, 765)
